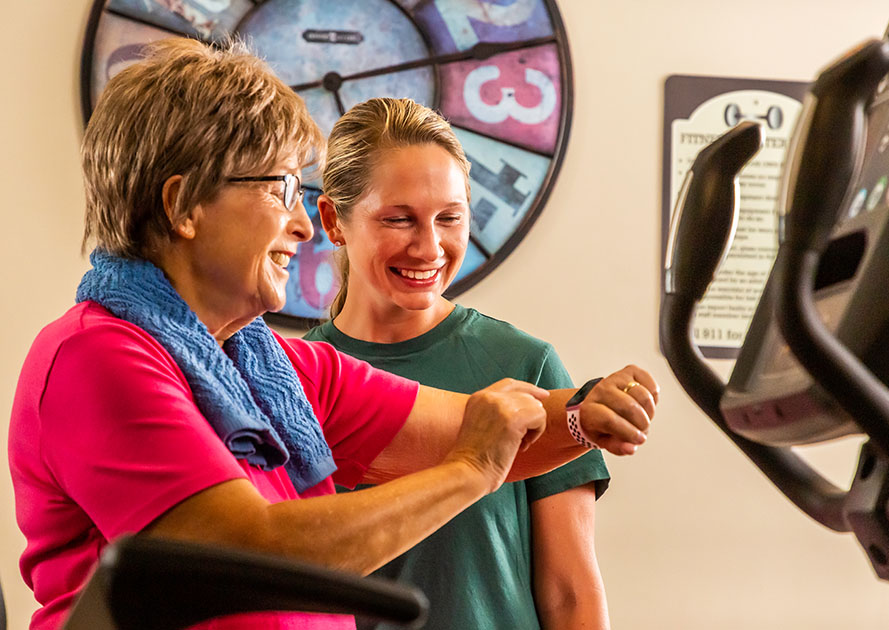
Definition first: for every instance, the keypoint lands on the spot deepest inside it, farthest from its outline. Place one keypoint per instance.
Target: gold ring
(629, 386)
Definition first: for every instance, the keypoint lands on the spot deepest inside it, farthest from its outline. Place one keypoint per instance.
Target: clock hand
(481, 51)
(138, 19)
(339, 103)
(332, 82)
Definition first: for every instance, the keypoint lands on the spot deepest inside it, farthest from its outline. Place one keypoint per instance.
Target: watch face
(498, 70)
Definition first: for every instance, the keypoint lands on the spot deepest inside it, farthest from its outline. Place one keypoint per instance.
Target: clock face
(498, 70)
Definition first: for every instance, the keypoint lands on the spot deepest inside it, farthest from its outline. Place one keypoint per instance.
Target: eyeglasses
(293, 188)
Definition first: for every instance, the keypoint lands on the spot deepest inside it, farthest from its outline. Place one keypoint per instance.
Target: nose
(426, 244)
(300, 225)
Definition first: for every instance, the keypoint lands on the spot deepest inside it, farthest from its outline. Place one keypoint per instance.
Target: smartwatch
(572, 408)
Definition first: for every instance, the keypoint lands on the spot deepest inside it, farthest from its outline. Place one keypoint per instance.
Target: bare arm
(568, 588)
(463, 458)
(617, 420)
(363, 530)
(357, 532)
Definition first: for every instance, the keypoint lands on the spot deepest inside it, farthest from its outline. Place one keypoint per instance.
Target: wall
(690, 535)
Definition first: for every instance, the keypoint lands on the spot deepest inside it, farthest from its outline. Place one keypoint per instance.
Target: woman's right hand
(499, 420)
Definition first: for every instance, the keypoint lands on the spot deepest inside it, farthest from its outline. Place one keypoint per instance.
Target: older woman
(396, 201)
(161, 403)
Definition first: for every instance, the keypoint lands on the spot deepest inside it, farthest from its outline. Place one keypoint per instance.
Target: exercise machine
(814, 365)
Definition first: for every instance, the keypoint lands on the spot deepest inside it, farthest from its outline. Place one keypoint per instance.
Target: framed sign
(498, 70)
(697, 110)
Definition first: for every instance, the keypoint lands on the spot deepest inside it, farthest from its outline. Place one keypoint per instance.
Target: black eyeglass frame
(293, 188)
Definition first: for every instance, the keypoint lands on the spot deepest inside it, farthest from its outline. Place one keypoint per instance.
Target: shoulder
(324, 367)
(317, 333)
(492, 330)
(500, 338)
(90, 334)
(102, 351)
(97, 369)
(313, 360)
(520, 354)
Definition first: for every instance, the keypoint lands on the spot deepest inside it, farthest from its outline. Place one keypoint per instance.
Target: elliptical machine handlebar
(701, 231)
(833, 116)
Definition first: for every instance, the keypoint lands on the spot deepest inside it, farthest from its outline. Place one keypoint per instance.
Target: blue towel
(247, 389)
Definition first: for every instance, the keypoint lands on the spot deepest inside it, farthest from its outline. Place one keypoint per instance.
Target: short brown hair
(205, 113)
(357, 141)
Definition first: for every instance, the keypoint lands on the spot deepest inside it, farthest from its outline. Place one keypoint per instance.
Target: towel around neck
(247, 389)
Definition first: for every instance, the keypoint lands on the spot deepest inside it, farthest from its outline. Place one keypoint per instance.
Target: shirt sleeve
(120, 431)
(587, 468)
(360, 408)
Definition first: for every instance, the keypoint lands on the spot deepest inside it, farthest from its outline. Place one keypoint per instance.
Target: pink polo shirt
(105, 437)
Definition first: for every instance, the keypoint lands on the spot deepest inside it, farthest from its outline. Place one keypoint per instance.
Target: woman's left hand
(617, 412)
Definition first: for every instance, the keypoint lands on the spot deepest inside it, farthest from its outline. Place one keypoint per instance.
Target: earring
(337, 244)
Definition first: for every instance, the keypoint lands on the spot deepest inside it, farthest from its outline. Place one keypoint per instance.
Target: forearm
(361, 531)
(358, 531)
(428, 435)
(431, 432)
(554, 447)
(614, 419)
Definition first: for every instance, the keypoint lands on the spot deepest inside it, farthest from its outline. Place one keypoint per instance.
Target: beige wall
(690, 535)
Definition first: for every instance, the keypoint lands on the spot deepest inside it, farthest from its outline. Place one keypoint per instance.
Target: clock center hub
(332, 81)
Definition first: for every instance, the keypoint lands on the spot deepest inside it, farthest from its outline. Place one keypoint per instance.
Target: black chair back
(146, 583)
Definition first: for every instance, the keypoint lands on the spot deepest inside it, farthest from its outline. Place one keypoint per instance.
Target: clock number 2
(457, 14)
(508, 107)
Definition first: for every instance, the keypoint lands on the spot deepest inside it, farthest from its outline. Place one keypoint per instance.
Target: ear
(181, 226)
(329, 220)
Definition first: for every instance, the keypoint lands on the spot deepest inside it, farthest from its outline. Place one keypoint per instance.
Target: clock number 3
(508, 107)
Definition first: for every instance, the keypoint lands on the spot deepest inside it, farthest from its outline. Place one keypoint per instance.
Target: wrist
(572, 414)
(473, 477)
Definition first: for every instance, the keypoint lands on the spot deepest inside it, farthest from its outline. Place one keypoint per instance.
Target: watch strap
(572, 409)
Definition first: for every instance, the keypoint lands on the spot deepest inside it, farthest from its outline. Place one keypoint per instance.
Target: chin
(418, 303)
(274, 307)
(272, 302)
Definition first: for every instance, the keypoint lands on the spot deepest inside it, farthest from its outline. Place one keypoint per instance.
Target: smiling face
(407, 236)
(232, 259)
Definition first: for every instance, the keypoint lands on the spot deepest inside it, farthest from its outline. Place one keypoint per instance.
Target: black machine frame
(145, 583)
(810, 369)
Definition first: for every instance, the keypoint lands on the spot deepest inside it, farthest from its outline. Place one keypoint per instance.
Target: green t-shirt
(476, 569)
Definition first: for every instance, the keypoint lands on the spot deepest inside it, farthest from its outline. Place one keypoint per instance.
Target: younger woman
(397, 204)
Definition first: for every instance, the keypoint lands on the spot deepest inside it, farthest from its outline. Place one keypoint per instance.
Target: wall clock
(498, 70)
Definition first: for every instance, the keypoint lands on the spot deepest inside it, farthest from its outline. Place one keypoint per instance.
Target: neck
(213, 310)
(389, 323)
